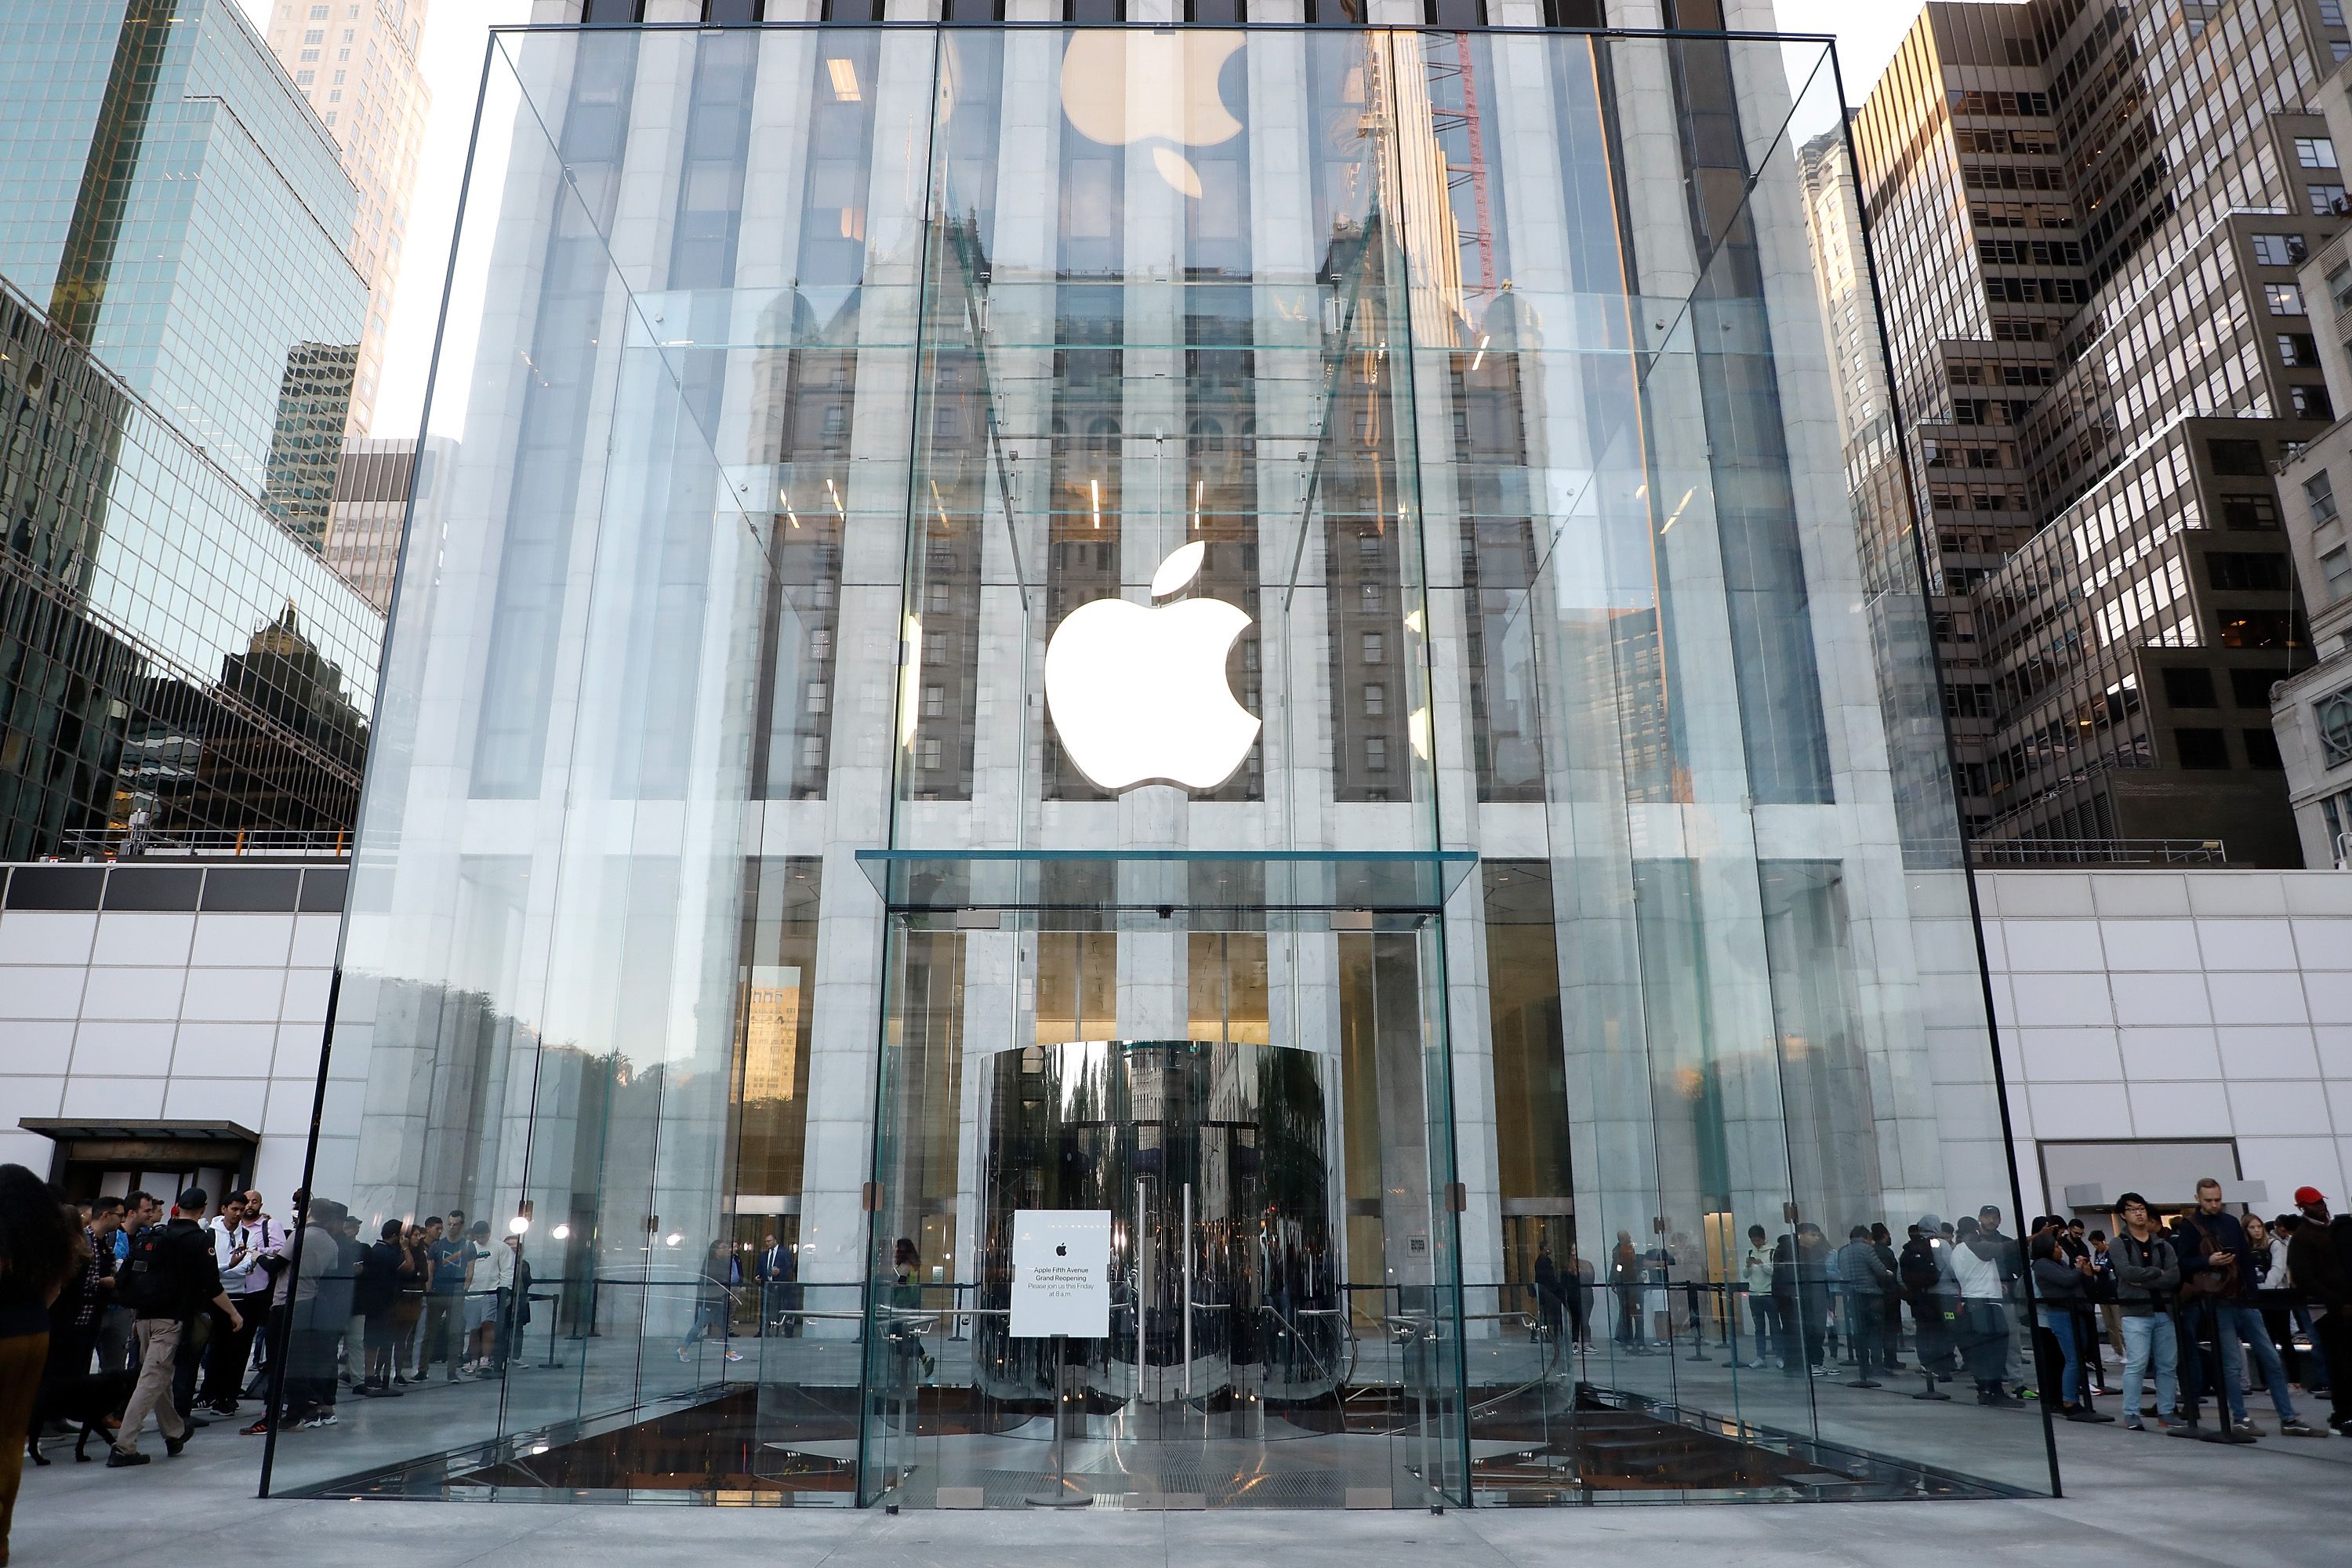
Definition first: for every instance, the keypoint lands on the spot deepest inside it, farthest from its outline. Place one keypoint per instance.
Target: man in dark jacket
(169, 1278)
(2217, 1274)
(1867, 1283)
(2317, 1261)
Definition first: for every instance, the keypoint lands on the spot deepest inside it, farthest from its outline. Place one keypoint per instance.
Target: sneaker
(119, 1460)
(737, 1356)
(172, 1445)
(682, 1355)
(2132, 1423)
(1759, 1364)
(257, 1429)
(2295, 1426)
(325, 1418)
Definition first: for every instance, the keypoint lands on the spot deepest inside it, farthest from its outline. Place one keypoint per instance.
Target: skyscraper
(177, 329)
(355, 61)
(173, 205)
(2086, 222)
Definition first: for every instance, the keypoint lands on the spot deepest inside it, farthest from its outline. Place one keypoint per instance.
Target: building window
(2190, 688)
(2283, 298)
(2246, 572)
(1373, 647)
(304, 79)
(2311, 403)
(2257, 628)
(2320, 492)
(1376, 754)
(2263, 750)
(2278, 250)
(309, 54)
(2238, 458)
(1376, 701)
(2201, 749)
(2332, 715)
(2335, 573)
(2314, 152)
(2326, 200)
(315, 36)
(319, 13)
(2300, 350)
(2250, 511)
(2331, 12)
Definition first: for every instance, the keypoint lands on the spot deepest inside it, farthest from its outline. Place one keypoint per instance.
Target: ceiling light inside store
(845, 79)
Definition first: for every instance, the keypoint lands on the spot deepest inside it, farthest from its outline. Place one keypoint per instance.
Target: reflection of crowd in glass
(176, 1311)
(2194, 1310)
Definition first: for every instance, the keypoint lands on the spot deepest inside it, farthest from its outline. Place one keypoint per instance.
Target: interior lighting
(845, 79)
(1480, 357)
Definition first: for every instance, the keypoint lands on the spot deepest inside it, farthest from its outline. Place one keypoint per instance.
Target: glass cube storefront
(1261, 633)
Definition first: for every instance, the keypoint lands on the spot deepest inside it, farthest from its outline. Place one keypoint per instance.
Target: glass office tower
(1256, 631)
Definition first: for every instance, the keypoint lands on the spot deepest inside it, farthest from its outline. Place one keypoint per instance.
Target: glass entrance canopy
(1303, 642)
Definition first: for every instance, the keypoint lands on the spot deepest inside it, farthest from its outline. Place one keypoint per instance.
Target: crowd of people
(172, 1309)
(2193, 1310)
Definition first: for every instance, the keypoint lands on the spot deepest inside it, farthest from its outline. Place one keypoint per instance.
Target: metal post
(1062, 1495)
(1142, 1289)
(1186, 1241)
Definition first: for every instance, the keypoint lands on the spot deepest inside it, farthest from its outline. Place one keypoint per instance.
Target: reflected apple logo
(1182, 102)
(1139, 695)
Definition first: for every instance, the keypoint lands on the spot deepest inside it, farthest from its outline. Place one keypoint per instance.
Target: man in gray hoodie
(1867, 1282)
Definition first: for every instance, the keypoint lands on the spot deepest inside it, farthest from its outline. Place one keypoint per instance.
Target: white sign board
(1061, 1273)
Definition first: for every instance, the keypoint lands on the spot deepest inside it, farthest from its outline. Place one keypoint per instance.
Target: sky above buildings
(457, 32)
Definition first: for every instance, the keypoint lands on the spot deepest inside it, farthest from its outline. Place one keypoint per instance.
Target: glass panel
(1284, 635)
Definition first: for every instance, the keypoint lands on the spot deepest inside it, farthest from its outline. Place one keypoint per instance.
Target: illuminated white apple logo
(1140, 694)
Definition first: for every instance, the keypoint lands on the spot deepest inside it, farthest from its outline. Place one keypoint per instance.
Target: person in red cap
(2318, 1258)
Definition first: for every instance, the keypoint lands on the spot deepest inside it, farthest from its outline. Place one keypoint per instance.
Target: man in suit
(778, 1273)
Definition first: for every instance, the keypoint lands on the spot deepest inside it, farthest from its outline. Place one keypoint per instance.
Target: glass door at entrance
(1243, 1365)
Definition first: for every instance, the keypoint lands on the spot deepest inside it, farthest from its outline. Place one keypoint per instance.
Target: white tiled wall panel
(138, 1015)
(2201, 1005)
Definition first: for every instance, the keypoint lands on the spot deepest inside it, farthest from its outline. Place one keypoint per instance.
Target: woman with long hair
(40, 1243)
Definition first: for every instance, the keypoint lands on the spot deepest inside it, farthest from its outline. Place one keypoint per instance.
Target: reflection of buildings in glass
(1535, 574)
(150, 142)
(285, 741)
(368, 88)
(771, 1032)
(125, 680)
(307, 446)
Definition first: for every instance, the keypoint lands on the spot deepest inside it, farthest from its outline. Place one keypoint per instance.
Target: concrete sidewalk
(2138, 1499)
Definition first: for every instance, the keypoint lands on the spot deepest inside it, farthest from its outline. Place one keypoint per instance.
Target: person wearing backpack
(169, 1278)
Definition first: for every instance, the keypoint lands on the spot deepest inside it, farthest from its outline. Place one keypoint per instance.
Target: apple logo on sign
(1139, 695)
(1061, 1250)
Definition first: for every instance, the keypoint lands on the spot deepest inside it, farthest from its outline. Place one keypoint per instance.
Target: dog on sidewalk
(87, 1401)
